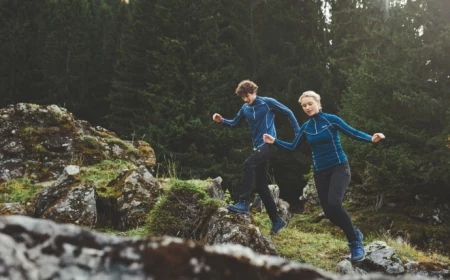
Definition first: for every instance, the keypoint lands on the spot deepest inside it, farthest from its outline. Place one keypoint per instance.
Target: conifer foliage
(157, 70)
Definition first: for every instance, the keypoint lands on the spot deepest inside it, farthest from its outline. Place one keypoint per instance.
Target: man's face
(249, 98)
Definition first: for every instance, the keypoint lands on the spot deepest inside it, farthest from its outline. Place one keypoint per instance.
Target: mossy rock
(183, 212)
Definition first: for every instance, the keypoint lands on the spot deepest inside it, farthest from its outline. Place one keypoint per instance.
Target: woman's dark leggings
(331, 185)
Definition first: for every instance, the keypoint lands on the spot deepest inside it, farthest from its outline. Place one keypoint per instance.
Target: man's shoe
(359, 235)
(357, 251)
(277, 225)
(242, 207)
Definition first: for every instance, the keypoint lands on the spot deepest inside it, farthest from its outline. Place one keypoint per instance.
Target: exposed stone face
(227, 227)
(77, 207)
(57, 191)
(40, 249)
(39, 140)
(139, 191)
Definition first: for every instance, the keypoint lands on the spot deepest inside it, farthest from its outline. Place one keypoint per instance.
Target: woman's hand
(377, 137)
(269, 139)
(217, 118)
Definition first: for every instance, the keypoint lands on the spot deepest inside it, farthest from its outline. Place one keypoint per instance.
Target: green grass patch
(18, 190)
(304, 244)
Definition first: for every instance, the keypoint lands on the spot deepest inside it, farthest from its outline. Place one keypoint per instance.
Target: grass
(18, 190)
(138, 232)
(323, 245)
(322, 250)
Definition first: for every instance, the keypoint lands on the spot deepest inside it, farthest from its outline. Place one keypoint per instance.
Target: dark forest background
(157, 71)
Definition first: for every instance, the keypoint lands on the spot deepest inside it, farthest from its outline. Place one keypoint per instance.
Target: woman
(331, 169)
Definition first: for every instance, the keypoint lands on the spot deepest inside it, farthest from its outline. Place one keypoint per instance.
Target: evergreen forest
(157, 70)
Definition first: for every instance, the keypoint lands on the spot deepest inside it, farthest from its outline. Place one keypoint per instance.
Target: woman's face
(310, 105)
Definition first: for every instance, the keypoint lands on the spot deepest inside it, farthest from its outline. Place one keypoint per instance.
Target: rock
(36, 140)
(125, 202)
(77, 207)
(310, 193)
(57, 191)
(35, 249)
(346, 267)
(12, 209)
(381, 257)
(439, 270)
(283, 206)
(215, 190)
(227, 227)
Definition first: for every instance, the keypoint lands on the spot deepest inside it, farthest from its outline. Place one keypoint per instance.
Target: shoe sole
(357, 261)
(238, 211)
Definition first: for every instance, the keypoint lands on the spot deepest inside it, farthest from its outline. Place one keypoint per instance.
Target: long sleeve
(339, 124)
(292, 146)
(274, 104)
(236, 120)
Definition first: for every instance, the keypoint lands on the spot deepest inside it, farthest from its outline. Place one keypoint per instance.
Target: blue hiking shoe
(359, 235)
(277, 225)
(357, 251)
(242, 207)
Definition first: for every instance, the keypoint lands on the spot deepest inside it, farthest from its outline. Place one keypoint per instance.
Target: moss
(184, 212)
(90, 148)
(104, 174)
(129, 150)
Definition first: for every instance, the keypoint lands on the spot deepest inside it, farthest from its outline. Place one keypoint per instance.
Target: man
(260, 115)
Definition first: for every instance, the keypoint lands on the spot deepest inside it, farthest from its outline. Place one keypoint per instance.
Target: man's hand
(377, 137)
(268, 139)
(217, 118)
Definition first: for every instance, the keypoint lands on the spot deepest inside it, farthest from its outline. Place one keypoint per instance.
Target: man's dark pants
(256, 169)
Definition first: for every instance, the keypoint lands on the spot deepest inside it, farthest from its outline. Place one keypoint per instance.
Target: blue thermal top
(322, 133)
(260, 116)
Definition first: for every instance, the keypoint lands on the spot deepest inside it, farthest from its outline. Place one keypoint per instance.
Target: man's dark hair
(246, 87)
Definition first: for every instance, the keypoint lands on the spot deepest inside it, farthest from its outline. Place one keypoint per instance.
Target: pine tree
(19, 47)
(390, 90)
(128, 106)
(67, 57)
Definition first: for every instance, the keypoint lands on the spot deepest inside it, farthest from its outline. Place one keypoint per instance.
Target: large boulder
(40, 249)
(37, 141)
(68, 200)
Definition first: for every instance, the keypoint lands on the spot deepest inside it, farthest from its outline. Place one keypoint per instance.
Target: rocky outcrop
(40, 249)
(38, 141)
